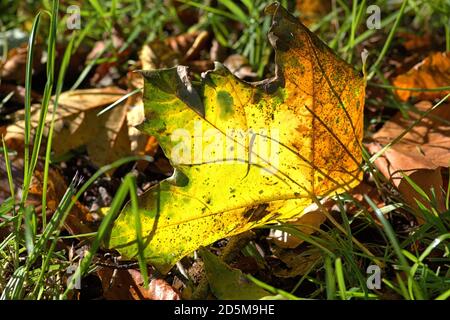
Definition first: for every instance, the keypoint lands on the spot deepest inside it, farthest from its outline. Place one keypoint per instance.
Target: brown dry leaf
(239, 66)
(308, 223)
(77, 221)
(70, 103)
(188, 15)
(135, 116)
(140, 143)
(110, 141)
(182, 49)
(17, 173)
(18, 96)
(312, 10)
(297, 263)
(432, 72)
(14, 65)
(358, 193)
(13, 68)
(77, 124)
(414, 41)
(106, 72)
(420, 154)
(129, 285)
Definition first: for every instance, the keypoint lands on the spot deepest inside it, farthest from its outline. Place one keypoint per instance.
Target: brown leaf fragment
(414, 41)
(77, 124)
(358, 193)
(18, 95)
(427, 145)
(239, 66)
(135, 116)
(77, 221)
(182, 49)
(13, 68)
(432, 72)
(296, 263)
(111, 142)
(307, 224)
(129, 285)
(312, 10)
(420, 154)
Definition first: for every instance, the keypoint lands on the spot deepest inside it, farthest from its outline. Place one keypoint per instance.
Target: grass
(414, 264)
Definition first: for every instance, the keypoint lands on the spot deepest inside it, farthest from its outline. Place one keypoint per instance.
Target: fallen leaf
(106, 72)
(77, 221)
(18, 97)
(135, 116)
(312, 11)
(308, 223)
(419, 154)
(296, 263)
(239, 66)
(173, 50)
(129, 285)
(107, 143)
(77, 124)
(368, 189)
(17, 174)
(188, 15)
(413, 41)
(13, 68)
(432, 72)
(140, 142)
(227, 283)
(267, 148)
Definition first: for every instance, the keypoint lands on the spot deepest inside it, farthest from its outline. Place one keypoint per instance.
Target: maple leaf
(246, 154)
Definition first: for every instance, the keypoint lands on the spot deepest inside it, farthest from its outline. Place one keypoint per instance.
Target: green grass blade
(8, 171)
(388, 40)
(59, 85)
(138, 227)
(330, 281)
(102, 232)
(28, 79)
(340, 278)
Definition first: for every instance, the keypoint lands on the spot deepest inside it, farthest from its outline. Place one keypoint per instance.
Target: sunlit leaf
(246, 154)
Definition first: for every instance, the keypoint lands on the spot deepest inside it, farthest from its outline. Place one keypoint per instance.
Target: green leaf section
(227, 283)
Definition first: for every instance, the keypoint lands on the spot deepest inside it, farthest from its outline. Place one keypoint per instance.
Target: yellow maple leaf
(246, 154)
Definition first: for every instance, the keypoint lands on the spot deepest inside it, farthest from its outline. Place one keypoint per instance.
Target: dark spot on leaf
(225, 102)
